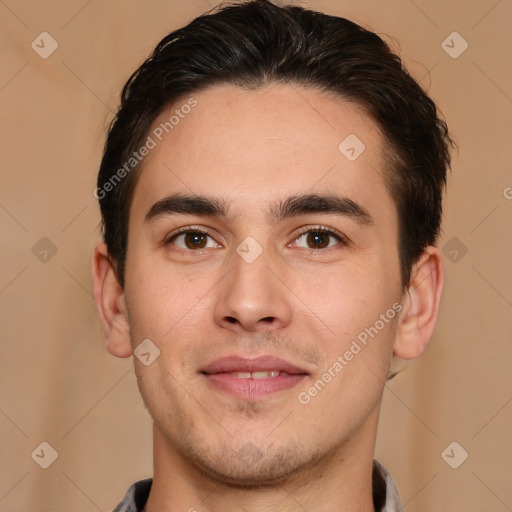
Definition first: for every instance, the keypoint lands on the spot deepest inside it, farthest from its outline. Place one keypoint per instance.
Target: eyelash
(342, 239)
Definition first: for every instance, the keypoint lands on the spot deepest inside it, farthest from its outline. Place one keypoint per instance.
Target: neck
(341, 480)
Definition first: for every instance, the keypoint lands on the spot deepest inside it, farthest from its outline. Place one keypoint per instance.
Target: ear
(421, 301)
(109, 297)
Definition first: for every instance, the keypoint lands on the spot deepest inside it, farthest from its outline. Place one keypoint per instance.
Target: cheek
(360, 310)
(347, 299)
(160, 298)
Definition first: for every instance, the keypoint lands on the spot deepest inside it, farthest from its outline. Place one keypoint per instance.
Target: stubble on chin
(239, 461)
(248, 409)
(273, 467)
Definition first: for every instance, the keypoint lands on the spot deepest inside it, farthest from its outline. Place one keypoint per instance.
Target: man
(271, 194)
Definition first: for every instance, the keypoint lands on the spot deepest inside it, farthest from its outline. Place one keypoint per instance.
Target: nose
(252, 297)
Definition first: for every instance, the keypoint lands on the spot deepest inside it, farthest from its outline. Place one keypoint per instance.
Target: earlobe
(110, 301)
(421, 302)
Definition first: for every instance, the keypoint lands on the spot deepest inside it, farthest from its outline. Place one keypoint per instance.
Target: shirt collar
(384, 491)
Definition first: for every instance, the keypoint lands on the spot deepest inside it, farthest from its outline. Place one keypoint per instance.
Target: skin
(296, 301)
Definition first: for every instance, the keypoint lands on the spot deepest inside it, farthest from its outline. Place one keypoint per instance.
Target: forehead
(253, 147)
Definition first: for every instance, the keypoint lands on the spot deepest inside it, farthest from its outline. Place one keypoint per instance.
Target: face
(274, 299)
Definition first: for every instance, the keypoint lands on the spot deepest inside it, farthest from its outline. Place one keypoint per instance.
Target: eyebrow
(291, 206)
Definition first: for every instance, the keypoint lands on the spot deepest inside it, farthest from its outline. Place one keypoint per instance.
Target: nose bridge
(251, 296)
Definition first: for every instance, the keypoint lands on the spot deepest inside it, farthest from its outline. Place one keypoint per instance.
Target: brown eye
(320, 239)
(192, 240)
(195, 240)
(317, 239)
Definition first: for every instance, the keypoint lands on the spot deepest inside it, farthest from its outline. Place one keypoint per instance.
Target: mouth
(252, 378)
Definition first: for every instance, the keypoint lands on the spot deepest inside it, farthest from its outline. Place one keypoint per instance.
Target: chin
(251, 468)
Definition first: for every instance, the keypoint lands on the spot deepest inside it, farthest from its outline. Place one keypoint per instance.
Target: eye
(319, 237)
(315, 238)
(192, 239)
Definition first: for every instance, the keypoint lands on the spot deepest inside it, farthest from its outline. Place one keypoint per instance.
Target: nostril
(232, 320)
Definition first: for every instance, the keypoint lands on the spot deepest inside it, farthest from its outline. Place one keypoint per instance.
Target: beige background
(59, 385)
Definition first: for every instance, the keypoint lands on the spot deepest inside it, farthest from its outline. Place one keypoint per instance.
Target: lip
(219, 375)
(242, 364)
